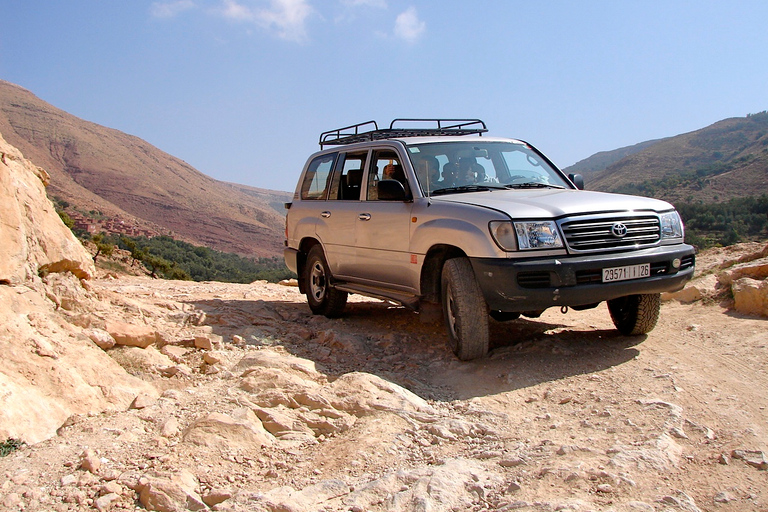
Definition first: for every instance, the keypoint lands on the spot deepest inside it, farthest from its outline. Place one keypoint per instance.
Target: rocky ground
(261, 406)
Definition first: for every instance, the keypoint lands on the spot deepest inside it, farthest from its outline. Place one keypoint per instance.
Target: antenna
(429, 188)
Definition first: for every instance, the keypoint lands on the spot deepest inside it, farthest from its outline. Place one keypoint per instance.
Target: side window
(318, 176)
(386, 165)
(350, 181)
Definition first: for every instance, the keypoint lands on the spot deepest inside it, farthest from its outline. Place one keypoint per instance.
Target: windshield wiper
(532, 184)
(465, 188)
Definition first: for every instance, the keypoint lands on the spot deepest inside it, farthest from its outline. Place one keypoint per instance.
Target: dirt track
(565, 414)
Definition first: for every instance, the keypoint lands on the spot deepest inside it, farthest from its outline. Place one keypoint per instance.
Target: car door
(336, 222)
(382, 227)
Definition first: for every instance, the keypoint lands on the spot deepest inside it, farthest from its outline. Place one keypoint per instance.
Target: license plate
(626, 273)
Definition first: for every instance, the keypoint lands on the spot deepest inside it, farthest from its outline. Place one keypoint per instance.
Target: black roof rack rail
(435, 127)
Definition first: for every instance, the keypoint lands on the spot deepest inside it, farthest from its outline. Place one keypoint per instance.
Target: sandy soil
(565, 414)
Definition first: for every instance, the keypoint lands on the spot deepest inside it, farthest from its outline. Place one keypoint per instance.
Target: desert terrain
(120, 392)
(269, 408)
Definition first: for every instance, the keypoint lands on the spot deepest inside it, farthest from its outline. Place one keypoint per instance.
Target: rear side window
(347, 185)
(318, 177)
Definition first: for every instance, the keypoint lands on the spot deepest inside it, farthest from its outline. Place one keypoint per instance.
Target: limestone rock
(361, 393)
(456, 484)
(90, 461)
(752, 457)
(697, 289)
(77, 377)
(756, 269)
(750, 296)
(216, 496)
(288, 499)
(242, 429)
(101, 338)
(170, 492)
(131, 334)
(33, 239)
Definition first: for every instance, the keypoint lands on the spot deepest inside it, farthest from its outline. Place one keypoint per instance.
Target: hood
(555, 203)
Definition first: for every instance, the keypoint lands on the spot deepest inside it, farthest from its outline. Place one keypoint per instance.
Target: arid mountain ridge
(725, 160)
(135, 185)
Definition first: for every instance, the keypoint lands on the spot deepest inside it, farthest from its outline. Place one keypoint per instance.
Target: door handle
(325, 214)
(364, 216)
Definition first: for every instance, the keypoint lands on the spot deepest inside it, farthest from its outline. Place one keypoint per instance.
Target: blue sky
(241, 89)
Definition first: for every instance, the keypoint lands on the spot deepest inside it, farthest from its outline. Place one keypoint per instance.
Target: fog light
(676, 263)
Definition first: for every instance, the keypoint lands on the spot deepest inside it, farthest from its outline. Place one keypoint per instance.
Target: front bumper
(536, 284)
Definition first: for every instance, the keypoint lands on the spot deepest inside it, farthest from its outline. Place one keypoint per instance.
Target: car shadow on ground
(398, 345)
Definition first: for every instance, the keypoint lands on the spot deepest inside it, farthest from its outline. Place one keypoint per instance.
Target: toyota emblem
(619, 230)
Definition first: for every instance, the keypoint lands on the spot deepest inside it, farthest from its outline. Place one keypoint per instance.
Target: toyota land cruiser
(430, 211)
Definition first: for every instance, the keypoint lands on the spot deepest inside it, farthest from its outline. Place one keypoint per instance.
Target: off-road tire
(464, 310)
(322, 297)
(635, 314)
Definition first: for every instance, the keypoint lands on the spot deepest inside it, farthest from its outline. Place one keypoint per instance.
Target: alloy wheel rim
(317, 281)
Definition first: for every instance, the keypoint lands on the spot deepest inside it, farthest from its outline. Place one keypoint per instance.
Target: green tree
(103, 247)
(156, 264)
(137, 254)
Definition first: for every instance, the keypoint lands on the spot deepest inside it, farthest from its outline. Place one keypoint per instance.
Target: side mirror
(391, 190)
(578, 180)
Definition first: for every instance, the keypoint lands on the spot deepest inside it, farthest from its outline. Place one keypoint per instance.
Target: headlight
(504, 234)
(671, 226)
(526, 235)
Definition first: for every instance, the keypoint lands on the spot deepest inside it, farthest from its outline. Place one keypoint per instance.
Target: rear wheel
(635, 314)
(323, 299)
(464, 309)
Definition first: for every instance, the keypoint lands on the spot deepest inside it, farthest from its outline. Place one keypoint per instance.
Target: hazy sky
(241, 89)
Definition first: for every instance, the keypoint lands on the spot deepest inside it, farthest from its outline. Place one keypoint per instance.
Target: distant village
(113, 225)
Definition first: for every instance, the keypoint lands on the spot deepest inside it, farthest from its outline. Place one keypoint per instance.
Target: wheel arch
(301, 261)
(431, 270)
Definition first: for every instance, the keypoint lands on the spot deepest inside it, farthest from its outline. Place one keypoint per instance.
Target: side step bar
(408, 300)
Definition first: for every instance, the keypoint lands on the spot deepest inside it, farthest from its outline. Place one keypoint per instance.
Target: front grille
(596, 234)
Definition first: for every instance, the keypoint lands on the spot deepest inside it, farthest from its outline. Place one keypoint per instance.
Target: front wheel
(464, 309)
(635, 314)
(323, 299)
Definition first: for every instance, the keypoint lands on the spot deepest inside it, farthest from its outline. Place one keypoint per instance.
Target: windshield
(447, 167)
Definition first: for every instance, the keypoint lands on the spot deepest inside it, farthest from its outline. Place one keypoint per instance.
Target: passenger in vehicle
(450, 175)
(394, 172)
(467, 171)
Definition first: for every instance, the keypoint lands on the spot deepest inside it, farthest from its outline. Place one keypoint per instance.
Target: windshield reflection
(463, 166)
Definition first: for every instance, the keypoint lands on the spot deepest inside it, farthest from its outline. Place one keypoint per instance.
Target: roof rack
(362, 132)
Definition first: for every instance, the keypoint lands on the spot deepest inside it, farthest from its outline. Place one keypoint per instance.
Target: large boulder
(750, 296)
(51, 367)
(33, 239)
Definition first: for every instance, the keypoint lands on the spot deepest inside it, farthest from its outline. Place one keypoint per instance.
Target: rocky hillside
(117, 182)
(131, 393)
(598, 162)
(725, 160)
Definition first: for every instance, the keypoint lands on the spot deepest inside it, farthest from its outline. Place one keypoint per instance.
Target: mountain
(726, 160)
(599, 161)
(121, 183)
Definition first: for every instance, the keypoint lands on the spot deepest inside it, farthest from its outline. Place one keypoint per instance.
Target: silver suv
(429, 211)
